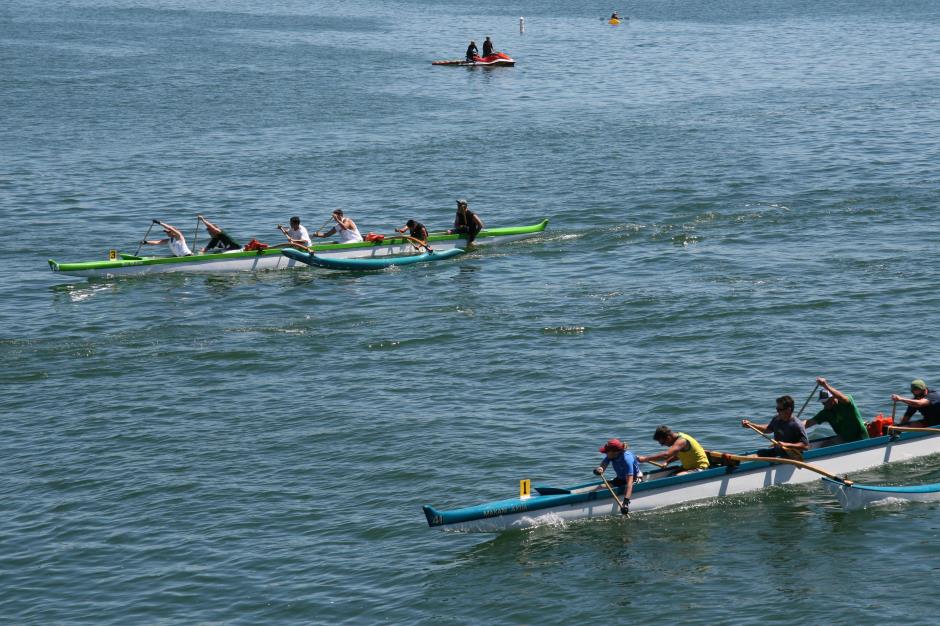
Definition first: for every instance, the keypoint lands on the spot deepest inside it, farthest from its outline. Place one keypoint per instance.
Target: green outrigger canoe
(273, 258)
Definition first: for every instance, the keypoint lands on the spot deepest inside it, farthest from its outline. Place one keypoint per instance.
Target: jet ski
(497, 59)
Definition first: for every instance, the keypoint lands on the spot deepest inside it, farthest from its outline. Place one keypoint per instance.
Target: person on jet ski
(487, 47)
(472, 51)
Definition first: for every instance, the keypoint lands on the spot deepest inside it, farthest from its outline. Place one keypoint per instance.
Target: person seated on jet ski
(472, 52)
(487, 47)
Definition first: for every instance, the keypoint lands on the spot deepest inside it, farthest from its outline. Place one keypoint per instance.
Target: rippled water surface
(742, 197)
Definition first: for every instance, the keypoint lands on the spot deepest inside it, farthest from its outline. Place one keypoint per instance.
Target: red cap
(612, 445)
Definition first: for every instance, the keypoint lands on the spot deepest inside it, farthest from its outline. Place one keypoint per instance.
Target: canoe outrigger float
(660, 489)
(380, 263)
(856, 496)
(273, 259)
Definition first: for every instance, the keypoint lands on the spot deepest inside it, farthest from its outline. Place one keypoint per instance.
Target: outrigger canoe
(661, 489)
(856, 496)
(370, 264)
(274, 259)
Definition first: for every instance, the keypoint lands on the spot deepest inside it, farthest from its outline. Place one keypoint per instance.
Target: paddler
(416, 230)
(297, 234)
(345, 227)
(681, 446)
(220, 239)
(466, 222)
(174, 238)
(840, 411)
(625, 465)
(925, 400)
(789, 433)
(615, 15)
(472, 52)
(487, 47)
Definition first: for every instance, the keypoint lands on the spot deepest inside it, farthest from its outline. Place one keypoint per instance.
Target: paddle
(145, 237)
(623, 507)
(417, 243)
(793, 454)
(914, 429)
(659, 465)
(322, 226)
(894, 408)
(196, 231)
(773, 459)
(812, 393)
(289, 244)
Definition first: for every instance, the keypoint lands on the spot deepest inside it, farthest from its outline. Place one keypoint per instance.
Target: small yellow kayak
(614, 22)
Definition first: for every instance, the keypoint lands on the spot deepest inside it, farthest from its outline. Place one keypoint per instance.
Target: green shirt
(845, 420)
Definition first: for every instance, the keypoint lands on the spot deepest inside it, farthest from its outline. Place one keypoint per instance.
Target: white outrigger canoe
(856, 496)
(273, 259)
(555, 505)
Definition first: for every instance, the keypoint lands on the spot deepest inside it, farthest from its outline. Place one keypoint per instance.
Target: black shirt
(418, 231)
(464, 222)
(931, 412)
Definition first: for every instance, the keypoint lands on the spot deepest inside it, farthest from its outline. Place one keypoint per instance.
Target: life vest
(254, 244)
(878, 427)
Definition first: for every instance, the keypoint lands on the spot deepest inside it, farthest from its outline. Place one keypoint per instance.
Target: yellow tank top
(694, 458)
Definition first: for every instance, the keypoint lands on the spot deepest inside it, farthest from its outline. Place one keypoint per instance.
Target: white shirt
(300, 234)
(347, 235)
(178, 247)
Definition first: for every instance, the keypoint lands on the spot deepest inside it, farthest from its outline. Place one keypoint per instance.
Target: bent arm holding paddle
(793, 450)
(627, 488)
(417, 234)
(171, 231)
(789, 434)
(922, 400)
(670, 455)
(621, 503)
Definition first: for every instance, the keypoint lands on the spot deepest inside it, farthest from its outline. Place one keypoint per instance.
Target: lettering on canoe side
(516, 508)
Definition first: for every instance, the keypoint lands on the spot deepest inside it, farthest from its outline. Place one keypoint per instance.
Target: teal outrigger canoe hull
(380, 263)
(274, 259)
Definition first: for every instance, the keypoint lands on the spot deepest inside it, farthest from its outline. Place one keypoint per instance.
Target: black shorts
(773, 452)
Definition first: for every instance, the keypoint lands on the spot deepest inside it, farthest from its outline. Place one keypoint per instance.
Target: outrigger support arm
(908, 429)
(774, 459)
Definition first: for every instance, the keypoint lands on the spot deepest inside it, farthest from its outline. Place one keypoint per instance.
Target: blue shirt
(625, 465)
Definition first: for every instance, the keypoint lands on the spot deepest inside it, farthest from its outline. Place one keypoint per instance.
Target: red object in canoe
(497, 59)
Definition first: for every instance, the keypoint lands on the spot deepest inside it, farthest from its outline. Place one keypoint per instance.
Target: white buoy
(521, 25)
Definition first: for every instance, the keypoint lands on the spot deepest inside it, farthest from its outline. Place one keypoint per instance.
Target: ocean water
(742, 197)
